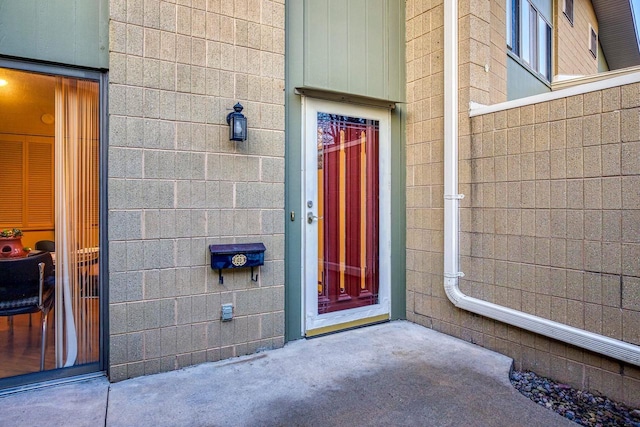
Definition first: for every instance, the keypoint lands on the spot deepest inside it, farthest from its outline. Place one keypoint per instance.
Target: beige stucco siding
(177, 184)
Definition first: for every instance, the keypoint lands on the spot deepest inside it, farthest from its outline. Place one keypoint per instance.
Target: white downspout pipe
(451, 197)
(588, 340)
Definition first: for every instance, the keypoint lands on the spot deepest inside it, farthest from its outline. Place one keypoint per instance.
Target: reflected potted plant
(11, 244)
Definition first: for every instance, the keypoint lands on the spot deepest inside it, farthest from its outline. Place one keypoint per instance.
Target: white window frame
(547, 38)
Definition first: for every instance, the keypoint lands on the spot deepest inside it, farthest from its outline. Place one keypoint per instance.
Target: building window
(512, 32)
(529, 37)
(567, 8)
(593, 42)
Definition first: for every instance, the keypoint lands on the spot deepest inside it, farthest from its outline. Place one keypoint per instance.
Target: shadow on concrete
(394, 374)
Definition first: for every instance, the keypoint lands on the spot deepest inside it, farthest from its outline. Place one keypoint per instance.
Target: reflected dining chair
(46, 245)
(27, 285)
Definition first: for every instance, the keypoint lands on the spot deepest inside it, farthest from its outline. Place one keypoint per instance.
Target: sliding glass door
(50, 141)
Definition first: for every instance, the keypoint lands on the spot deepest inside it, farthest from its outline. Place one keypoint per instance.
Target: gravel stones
(576, 405)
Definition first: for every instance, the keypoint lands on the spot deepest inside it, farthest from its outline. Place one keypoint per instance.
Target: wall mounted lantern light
(237, 124)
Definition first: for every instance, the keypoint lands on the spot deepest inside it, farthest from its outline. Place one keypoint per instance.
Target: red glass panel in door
(348, 203)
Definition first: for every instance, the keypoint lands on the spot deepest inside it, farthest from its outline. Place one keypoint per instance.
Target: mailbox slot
(237, 255)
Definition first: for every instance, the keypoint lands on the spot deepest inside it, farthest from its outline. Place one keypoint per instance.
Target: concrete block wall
(424, 164)
(550, 226)
(572, 56)
(549, 221)
(426, 301)
(482, 63)
(177, 184)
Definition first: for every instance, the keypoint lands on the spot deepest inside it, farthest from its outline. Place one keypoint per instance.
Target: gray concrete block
(198, 337)
(168, 341)
(151, 312)
(151, 284)
(117, 256)
(183, 107)
(118, 318)
(134, 97)
(135, 316)
(183, 310)
(167, 312)
(118, 349)
(135, 347)
(183, 335)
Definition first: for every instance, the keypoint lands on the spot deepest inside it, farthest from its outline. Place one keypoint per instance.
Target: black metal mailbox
(237, 255)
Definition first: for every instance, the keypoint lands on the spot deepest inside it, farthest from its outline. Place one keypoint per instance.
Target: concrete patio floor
(393, 374)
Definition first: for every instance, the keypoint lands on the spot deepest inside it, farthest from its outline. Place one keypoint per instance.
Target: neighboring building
(550, 41)
(118, 110)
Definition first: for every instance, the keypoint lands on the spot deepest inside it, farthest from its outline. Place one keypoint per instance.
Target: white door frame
(311, 320)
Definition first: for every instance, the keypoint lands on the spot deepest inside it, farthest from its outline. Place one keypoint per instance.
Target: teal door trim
(294, 49)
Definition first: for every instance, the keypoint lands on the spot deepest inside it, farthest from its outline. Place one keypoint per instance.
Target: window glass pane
(509, 18)
(514, 18)
(526, 33)
(348, 223)
(568, 9)
(533, 37)
(543, 47)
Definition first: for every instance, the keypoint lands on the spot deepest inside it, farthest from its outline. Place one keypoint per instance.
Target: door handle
(311, 217)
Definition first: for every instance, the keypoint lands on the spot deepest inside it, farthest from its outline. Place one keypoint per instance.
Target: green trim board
(329, 95)
(292, 176)
(398, 212)
(301, 55)
(354, 47)
(74, 32)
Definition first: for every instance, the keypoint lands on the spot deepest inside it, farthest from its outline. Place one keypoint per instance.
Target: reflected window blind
(27, 186)
(39, 184)
(11, 187)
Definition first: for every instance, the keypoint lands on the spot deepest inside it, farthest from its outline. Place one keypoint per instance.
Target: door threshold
(51, 383)
(368, 321)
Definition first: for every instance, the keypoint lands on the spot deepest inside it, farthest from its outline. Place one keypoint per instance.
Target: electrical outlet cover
(227, 312)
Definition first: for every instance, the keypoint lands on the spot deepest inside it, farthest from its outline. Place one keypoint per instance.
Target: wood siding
(70, 32)
(354, 47)
(572, 56)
